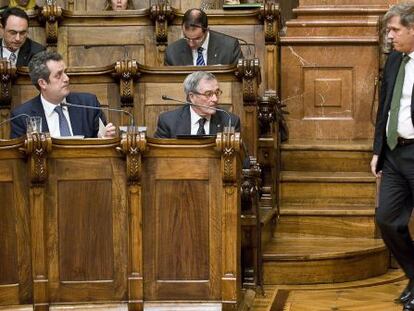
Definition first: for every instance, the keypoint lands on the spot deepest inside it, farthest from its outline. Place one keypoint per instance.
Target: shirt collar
(7, 50)
(195, 116)
(49, 108)
(205, 43)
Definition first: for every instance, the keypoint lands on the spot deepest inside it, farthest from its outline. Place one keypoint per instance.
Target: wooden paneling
(15, 257)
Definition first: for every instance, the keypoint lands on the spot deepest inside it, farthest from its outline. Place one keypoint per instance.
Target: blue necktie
(200, 59)
(63, 122)
(12, 58)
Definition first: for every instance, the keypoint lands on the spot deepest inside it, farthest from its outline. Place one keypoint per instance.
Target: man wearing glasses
(202, 92)
(16, 46)
(201, 46)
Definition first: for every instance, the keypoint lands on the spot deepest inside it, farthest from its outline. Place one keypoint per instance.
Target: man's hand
(110, 131)
(374, 162)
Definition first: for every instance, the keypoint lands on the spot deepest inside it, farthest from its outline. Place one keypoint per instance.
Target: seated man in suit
(16, 46)
(201, 46)
(202, 91)
(48, 74)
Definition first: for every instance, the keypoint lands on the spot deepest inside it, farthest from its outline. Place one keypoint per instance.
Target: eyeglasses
(195, 40)
(210, 94)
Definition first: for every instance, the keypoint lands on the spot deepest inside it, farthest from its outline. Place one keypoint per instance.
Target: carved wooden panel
(15, 255)
(182, 244)
(87, 225)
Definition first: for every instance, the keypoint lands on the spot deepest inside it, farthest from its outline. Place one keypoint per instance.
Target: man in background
(202, 91)
(393, 157)
(200, 46)
(47, 71)
(15, 45)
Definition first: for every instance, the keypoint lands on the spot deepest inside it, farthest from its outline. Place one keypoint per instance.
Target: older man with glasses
(200, 46)
(201, 115)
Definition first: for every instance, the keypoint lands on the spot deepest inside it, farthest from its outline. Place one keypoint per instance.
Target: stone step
(323, 260)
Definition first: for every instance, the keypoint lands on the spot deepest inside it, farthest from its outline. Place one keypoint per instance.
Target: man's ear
(42, 83)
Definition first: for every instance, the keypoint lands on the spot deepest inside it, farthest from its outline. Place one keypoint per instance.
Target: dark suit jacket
(387, 87)
(83, 121)
(27, 51)
(178, 122)
(222, 50)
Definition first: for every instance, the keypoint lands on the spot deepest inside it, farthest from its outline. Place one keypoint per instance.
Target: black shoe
(409, 306)
(404, 297)
(406, 294)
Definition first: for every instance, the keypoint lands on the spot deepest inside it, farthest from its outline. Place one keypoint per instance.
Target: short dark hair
(404, 10)
(195, 18)
(13, 11)
(38, 66)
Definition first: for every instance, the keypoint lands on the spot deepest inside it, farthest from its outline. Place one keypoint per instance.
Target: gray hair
(38, 66)
(404, 10)
(192, 81)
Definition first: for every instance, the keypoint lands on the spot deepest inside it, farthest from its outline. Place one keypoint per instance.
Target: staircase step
(323, 260)
(329, 221)
(327, 188)
(334, 156)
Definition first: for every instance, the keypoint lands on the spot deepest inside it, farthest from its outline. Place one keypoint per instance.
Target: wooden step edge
(323, 255)
(332, 177)
(327, 145)
(326, 212)
(267, 215)
(392, 276)
(341, 9)
(372, 22)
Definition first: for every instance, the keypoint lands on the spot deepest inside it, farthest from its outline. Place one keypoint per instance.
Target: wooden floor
(367, 295)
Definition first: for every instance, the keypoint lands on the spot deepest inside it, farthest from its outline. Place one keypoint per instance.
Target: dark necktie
(392, 134)
(63, 122)
(201, 130)
(12, 58)
(200, 59)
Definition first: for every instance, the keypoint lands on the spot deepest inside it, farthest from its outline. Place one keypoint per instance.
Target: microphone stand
(131, 117)
(15, 117)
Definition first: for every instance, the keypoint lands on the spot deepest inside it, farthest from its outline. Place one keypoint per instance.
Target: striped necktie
(13, 58)
(200, 58)
(392, 134)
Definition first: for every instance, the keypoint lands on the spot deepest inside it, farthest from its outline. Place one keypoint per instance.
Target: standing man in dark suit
(201, 89)
(200, 46)
(393, 158)
(48, 74)
(16, 46)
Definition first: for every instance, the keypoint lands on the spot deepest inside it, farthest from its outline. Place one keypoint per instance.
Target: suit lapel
(75, 115)
(183, 123)
(24, 53)
(215, 124)
(212, 50)
(187, 54)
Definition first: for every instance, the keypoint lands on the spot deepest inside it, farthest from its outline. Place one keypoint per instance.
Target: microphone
(238, 39)
(131, 117)
(15, 117)
(165, 97)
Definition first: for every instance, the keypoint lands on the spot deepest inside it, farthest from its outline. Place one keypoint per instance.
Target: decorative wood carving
(229, 144)
(249, 71)
(7, 74)
(266, 112)
(161, 14)
(37, 146)
(270, 16)
(127, 72)
(250, 185)
(51, 15)
(71, 5)
(132, 146)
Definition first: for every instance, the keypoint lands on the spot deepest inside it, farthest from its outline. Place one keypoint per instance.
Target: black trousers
(396, 199)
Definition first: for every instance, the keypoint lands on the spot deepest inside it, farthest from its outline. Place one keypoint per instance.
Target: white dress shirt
(52, 117)
(205, 48)
(405, 124)
(194, 122)
(5, 53)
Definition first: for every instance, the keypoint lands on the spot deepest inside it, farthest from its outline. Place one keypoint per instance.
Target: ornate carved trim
(228, 144)
(270, 16)
(132, 146)
(266, 112)
(51, 15)
(127, 72)
(161, 15)
(7, 74)
(249, 71)
(250, 184)
(37, 146)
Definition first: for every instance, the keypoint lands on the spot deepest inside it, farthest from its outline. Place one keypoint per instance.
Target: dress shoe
(405, 296)
(409, 305)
